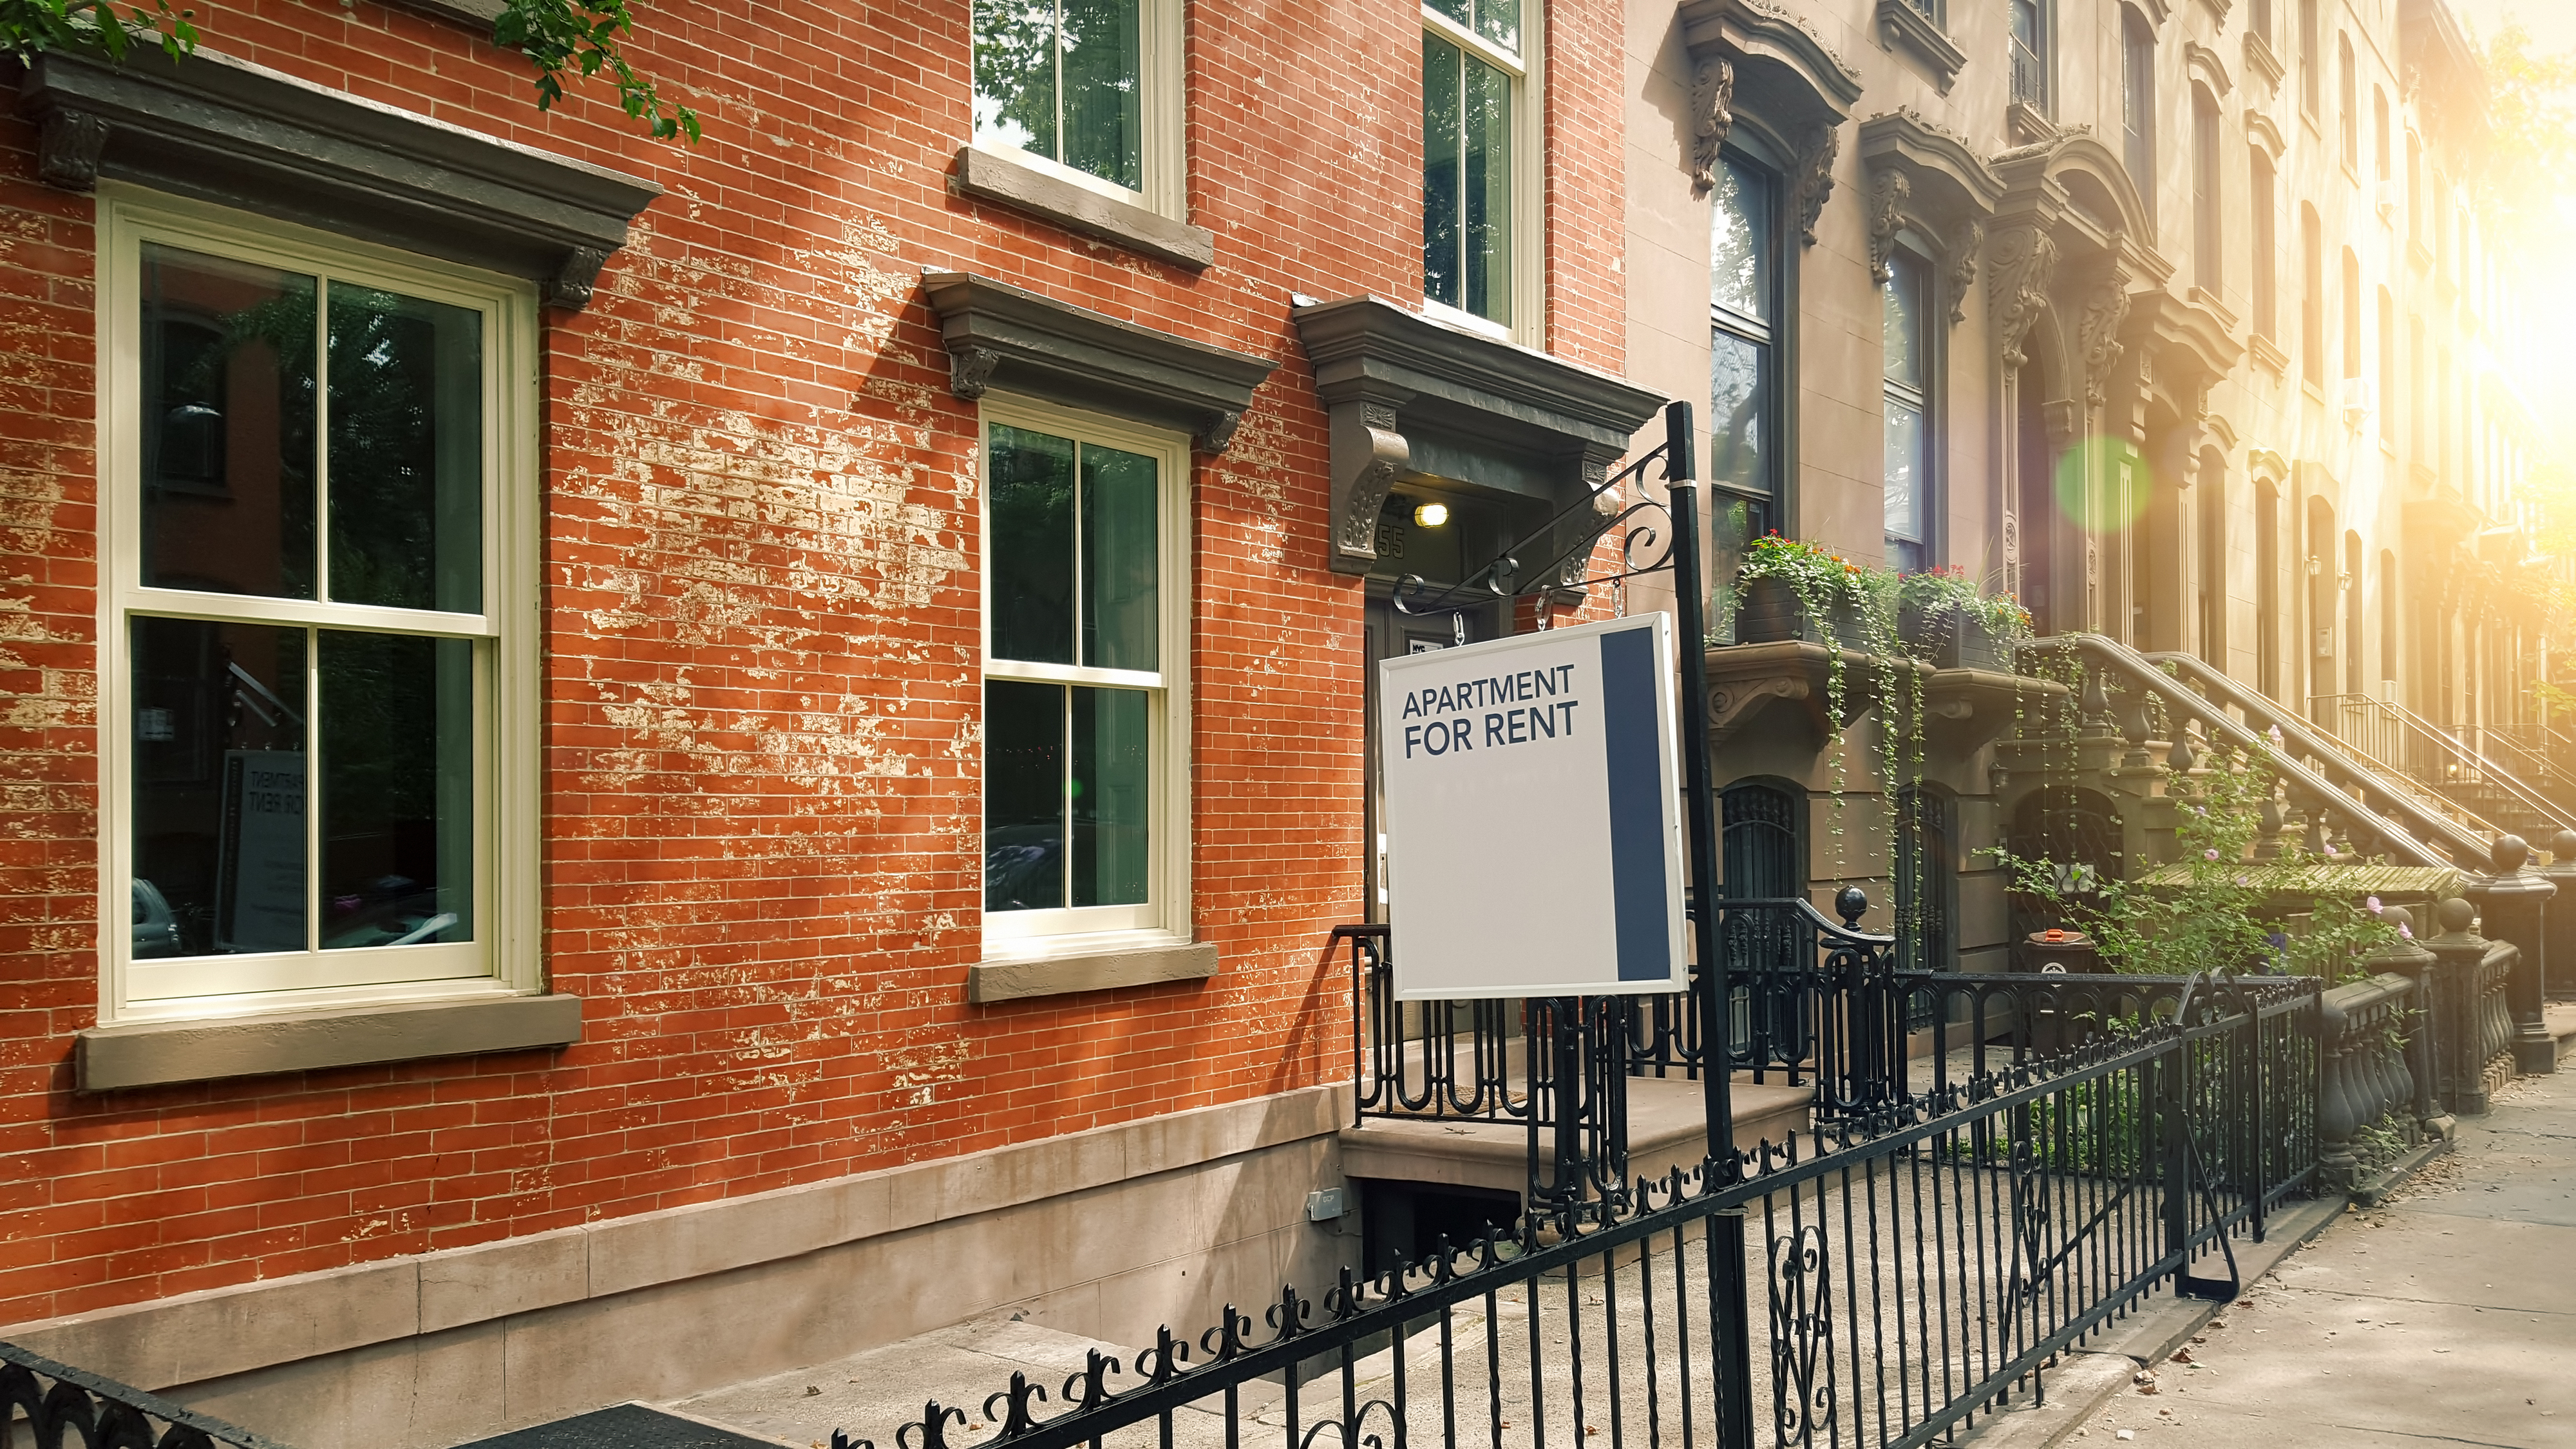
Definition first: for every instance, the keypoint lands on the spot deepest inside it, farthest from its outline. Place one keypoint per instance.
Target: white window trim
(1160, 110)
(1165, 919)
(1529, 175)
(505, 959)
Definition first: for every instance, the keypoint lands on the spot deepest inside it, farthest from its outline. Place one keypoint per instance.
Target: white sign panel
(259, 866)
(1533, 815)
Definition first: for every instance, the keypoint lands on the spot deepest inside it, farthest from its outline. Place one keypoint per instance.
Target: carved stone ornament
(1963, 268)
(1383, 455)
(1814, 182)
(570, 285)
(1888, 190)
(2098, 334)
(1219, 432)
(2017, 287)
(970, 371)
(68, 150)
(1712, 113)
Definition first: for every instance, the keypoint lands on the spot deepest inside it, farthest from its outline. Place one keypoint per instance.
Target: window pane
(227, 426)
(1738, 401)
(1734, 522)
(1110, 796)
(1487, 179)
(1739, 272)
(397, 743)
(1443, 117)
(1901, 309)
(1462, 11)
(1015, 64)
(1024, 793)
(1120, 620)
(1103, 81)
(1032, 546)
(218, 788)
(1903, 499)
(406, 445)
(1499, 21)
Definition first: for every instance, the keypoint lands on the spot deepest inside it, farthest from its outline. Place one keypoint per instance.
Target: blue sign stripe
(1639, 906)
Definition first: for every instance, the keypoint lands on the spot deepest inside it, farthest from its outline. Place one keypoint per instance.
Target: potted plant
(1791, 590)
(1944, 621)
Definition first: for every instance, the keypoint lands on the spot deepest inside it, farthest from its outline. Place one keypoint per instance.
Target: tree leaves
(30, 26)
(585, 37)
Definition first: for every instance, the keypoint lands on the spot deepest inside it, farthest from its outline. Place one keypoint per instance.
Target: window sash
(495, 959)
(1163, 916)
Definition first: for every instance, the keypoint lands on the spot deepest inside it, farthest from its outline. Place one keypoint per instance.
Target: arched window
(2387, 398)
(2308, 56)
(2348, 100)
(1764, 840)
(2312, 299)
(1927, 881)
(2213, 559)
(2138, 105)
(1747, 317)
(1908, 505)
(2208, 224)
(2266, 315)
(2267, 588)
(2388, 617)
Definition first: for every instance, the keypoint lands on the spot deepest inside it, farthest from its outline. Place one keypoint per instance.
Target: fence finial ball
(2562, 848)
(1851, 903)
(2456, 914)
(2398, 916)
(2507, 854)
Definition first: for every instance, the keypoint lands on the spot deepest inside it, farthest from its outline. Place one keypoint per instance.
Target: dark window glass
(1121, 608)
(2266, 305)
(406, 452)
(228, 417)
(397, 745)
(1906, 395)
(1744, 298)
(1926, 882)
(1466, 181)
(1109, 796)
(2208, 215)
(219, 787)
(2138, 106)
(2029, 51)
(1063, 79)
(1024, 796)
(1032, 546)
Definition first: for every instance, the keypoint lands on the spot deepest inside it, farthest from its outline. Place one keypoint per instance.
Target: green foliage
(2215, 907)
(30, 26)
(2531, 115)
(588, 36)
(1950, 590)
(558, 37)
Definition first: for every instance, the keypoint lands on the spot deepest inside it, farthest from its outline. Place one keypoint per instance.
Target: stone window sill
(156, 1053)
(1013, 980)
(996, 177)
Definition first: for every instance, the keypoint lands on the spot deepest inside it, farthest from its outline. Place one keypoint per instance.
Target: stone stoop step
(2561, 1017)
(1667, 1128)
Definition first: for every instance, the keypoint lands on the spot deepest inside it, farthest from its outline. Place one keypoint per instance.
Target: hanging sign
(1533, 818)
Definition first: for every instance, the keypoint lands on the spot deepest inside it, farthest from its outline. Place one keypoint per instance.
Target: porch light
(1431, 515)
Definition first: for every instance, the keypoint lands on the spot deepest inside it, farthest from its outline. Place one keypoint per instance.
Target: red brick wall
(761, 711)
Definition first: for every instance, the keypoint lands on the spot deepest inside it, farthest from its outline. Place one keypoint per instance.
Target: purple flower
(2406, 931)
(2275, 733)
(2373, 903)
(2331, 852)
(2200, 810)
(2209, 855)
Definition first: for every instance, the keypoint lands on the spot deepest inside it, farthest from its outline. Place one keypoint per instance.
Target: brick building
(835, 656)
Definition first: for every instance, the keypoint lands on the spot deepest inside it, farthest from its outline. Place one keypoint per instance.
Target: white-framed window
(1088, 90)
(318, 646)
(1086, 682)
(1481, 206)
(1908, 502)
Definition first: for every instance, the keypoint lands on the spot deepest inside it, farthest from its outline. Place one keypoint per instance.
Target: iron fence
(61, 1405)
(1877, 1281)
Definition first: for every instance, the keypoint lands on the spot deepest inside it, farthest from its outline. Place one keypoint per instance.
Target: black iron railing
(63, 1406)
(1793, 978)
(1878, 1282)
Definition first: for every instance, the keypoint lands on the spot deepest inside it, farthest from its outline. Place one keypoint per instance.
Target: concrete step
(1667, 1128)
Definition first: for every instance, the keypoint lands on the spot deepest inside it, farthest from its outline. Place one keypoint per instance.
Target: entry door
(1390, 635)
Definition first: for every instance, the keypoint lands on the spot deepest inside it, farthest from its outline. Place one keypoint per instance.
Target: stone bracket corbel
(1368, 456)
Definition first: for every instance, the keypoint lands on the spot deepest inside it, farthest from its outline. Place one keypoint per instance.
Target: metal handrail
(2335, 777)
(2388, 761)
(2488, 771)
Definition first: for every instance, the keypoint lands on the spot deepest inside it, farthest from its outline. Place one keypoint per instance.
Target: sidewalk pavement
(2447, 1316)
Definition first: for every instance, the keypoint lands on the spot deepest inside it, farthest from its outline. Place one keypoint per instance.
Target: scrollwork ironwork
(1803, 1400)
